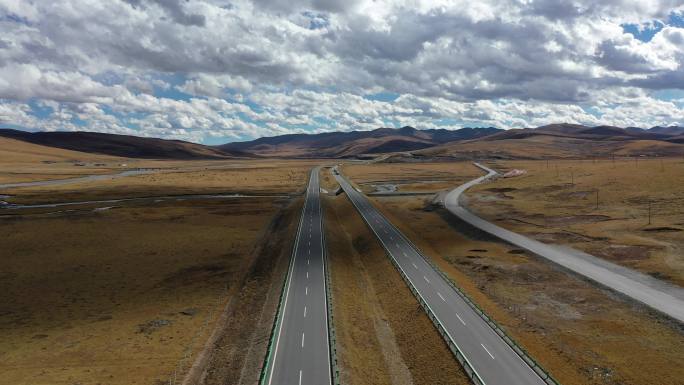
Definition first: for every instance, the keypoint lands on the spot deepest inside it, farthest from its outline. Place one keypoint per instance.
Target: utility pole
(597, 198)
(649, 212)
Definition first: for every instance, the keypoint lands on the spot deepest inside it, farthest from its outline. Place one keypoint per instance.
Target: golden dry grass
(411, 177)
(549, 146)
(23, 162)
(124, 296)
(556, 202)
(263, 177)
(580, 333)
(384, 336)
(118, 296)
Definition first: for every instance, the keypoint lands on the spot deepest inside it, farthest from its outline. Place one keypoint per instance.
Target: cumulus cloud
(236, 69)
(175, 9)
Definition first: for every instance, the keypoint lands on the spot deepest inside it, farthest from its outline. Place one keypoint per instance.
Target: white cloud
(306, 63)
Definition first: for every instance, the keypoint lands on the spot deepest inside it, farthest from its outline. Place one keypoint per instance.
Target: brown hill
(561, 140)
(121, 145)
(17, 151)
(354, 143)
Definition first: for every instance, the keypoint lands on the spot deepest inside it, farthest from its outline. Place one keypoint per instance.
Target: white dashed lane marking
(485, 348)
(460, 319)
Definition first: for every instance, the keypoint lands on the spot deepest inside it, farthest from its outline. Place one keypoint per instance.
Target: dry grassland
(411, 177)
(237, 350)
(556, 202)
(383, 335)
(130, 294)
(263, 177)
(118, 296)
(550, 146)
(580, 333)
(25, 162)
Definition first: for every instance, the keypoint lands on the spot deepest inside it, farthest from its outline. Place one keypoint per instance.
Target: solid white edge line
(385, 246)
(287, 293)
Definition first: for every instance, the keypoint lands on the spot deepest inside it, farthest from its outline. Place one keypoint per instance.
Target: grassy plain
(256, 177)
(129, 294)
(556, 202)
(25, 162)
(582, 334)
(118, 296)
(383, 335)
(411, 177)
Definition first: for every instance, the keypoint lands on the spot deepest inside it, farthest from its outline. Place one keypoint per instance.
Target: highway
(649, 291)
(301, 352)
(493, 361)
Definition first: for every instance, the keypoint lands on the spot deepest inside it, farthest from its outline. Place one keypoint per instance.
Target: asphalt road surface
(654, 293)
(301, 355)
(79, 179)
(492, 359)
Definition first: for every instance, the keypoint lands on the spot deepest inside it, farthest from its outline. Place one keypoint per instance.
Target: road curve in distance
(301, 354)
(661, 296)
(492, 359)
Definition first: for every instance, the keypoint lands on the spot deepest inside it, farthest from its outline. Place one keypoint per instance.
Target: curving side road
(661, 296)
(78, 179)
(492, 360)
(301, 355)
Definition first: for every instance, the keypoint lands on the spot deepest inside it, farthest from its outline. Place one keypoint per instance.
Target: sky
(216, 71)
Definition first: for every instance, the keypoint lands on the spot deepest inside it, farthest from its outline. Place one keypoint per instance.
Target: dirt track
(236, 354)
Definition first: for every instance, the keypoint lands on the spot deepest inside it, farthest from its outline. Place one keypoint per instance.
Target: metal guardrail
(470, 371)
(519, 350)
(332, 335)
(453, 346)
(265, 368)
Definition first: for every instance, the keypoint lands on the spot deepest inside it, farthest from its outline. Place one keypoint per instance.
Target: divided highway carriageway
(491, 359)
(300, 352)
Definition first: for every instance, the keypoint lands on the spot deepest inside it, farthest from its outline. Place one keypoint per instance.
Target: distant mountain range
(565, 140)
(354, 143)
(122, 145)
(555, 140)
